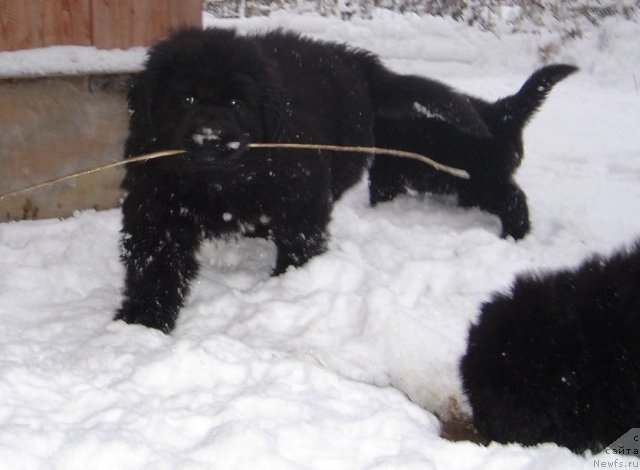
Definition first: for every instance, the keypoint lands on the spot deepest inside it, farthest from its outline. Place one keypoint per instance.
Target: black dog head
(195, 95)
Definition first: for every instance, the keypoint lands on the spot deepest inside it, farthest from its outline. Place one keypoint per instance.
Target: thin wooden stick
(334, 148)
(373, 150)
(147, 156)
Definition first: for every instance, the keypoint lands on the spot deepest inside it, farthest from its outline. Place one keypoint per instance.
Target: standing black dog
(490, 159)
(558, 358)
(211, 93)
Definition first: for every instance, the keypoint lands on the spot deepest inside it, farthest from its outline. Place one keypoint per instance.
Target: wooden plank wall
(106, 24)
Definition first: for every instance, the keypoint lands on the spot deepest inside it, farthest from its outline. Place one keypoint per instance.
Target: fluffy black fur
(490, 159)
(558, 358)
(211, 92)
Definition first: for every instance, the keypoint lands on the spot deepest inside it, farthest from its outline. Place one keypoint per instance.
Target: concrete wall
(54, 126)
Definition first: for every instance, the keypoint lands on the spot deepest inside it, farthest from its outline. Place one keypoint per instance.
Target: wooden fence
(105, 24)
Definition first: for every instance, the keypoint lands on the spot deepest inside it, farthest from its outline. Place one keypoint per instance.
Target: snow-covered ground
(343, 363)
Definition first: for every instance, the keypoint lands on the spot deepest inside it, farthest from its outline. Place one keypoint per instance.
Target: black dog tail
(515, 111)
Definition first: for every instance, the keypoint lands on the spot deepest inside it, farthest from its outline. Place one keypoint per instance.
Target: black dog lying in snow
(557, 359)
(211, 92)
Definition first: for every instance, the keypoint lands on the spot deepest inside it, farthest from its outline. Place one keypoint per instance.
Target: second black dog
(557, 359)
(491, 159)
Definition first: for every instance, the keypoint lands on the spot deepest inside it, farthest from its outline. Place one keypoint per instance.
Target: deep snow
(329, 365)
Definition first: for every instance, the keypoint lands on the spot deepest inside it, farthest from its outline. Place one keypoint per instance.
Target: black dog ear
(139, 108)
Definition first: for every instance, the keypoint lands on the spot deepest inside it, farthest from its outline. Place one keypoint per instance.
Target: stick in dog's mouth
(457, 172)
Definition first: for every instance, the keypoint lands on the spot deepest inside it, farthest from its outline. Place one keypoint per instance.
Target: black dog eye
(234, 102)
(189, 100)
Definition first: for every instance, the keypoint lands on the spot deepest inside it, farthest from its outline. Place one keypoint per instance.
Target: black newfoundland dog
(558, 358)
(491, 160)
(212, 92)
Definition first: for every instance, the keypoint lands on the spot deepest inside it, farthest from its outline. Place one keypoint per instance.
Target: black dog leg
(385, 181)
(300, 238)
(504, 199)
(295, 249)
(160, 263)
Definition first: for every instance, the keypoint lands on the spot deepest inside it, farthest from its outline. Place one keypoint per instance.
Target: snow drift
(346, 362)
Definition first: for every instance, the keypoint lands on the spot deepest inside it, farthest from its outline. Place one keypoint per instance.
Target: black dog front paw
(297, 249)
(146, 316)
(516, 230)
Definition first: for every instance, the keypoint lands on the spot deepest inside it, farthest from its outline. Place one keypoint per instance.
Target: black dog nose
(216, 143)
(206, 134)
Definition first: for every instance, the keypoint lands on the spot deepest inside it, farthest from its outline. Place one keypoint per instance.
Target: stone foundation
(55, 126)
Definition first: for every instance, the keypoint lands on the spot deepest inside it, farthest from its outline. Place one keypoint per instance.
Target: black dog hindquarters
(490, 163)
(399, 96)
(558, 358)
(490, 157)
